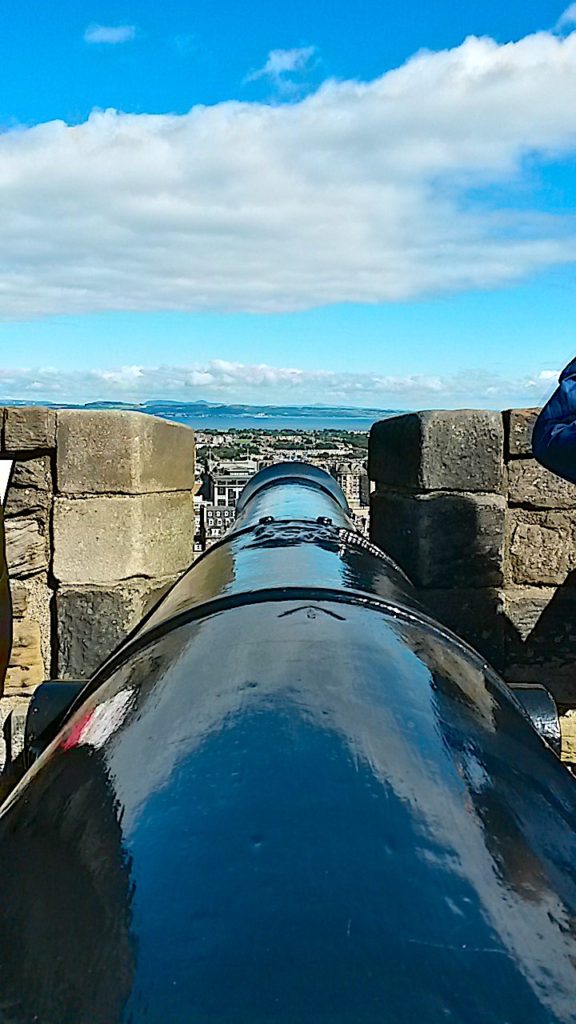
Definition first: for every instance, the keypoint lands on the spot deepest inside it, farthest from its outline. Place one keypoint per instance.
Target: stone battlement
(99, 518)
(487, 535)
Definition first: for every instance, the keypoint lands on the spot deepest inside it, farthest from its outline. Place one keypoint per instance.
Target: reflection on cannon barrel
(290, 797)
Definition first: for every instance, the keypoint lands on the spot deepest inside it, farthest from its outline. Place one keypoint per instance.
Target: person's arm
(554, 436)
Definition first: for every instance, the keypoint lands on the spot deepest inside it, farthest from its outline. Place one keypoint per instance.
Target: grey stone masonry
(29, 429)
(117, 537)
(28, 437)
(110, 612)
(111, 452)
(26, 546)
(443, 539)
(518, 426)
(541, 547)
(99, 519)
(540, 626)
(532, 485)
(497, 567)
(439, 451)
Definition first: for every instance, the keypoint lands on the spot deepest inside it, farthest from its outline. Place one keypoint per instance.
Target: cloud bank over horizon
(220, 380)
(363, 192)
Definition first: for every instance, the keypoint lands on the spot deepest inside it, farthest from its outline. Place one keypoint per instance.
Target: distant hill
(222, 416)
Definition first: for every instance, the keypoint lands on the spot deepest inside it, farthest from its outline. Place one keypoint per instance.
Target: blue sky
(327, 202)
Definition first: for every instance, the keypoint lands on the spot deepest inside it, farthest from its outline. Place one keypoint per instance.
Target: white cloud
(222, 380)
(111, 34)
(567, 18)
(282, 65)
(362, 192)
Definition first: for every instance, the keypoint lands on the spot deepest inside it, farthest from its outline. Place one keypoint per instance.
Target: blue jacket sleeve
(554, 436)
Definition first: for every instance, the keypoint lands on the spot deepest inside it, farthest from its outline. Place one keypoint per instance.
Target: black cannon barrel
(291, 797)
(293, 533)
(305, 493)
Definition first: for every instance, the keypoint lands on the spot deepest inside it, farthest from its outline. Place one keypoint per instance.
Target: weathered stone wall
(28, 436)
(99, 519)
(487, 535)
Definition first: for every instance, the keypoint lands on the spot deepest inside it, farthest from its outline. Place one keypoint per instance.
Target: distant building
(353, 480)
(225, 483)
(215, 503)
(198, 506)
(215, 521)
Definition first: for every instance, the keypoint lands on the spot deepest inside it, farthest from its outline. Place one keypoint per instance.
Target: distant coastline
(215, 416)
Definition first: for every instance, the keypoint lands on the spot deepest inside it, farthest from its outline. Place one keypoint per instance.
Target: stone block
(112, 452)
(518, 425)
(39, 596)
(24, 501)
(477, 616)
(30, 491)
(442, 540)
(29, 428)
(13, 711)
(524, 607)
(530, 484)
(93, 621)
(113, 538)
(568, 731)
(19, 595)
(26, 666)
(557, 675)
(459, 450)
(26, 547)
(34, 473)
(541, 547)
(32, 599)
(540, 638)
